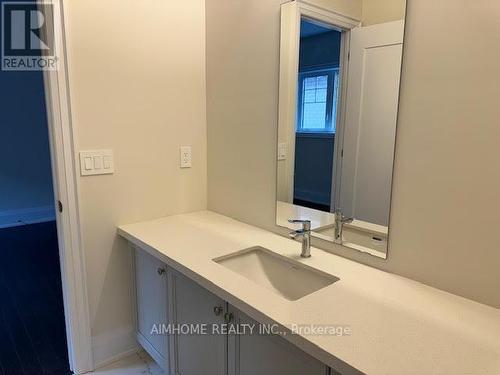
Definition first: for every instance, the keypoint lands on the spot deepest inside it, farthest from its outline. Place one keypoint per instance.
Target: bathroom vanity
(212, 346)
(205, 268)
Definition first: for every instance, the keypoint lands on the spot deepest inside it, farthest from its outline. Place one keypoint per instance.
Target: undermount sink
(284, 276)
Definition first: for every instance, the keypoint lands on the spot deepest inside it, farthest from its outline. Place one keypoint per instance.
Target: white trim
(76, 306)
(122, 341)
(327, 16)
(340, 126)
(25, 216)
(118, 357)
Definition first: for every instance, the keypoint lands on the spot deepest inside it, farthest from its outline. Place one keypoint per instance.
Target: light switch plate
(281, 151)
(95, 162)
(185, 157)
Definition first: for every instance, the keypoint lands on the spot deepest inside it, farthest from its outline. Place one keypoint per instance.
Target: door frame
(291, 14)
(66, 193)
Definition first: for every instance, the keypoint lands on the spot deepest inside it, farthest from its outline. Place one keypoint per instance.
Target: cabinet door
(152, 305)
(251, 354)
(196, 354)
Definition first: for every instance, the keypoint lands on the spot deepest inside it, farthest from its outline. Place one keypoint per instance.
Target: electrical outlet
(185, 161)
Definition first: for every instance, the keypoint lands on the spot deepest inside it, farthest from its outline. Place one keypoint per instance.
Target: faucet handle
(339, 217)
(346, 220)
(306, 224)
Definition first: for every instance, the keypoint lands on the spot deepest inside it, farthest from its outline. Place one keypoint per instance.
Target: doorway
(318, 94)
(32, 320)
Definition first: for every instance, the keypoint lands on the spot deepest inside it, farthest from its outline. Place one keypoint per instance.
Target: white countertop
(398, 326)
(321, 219)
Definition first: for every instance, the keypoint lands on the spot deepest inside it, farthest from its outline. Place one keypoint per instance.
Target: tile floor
(136, 364)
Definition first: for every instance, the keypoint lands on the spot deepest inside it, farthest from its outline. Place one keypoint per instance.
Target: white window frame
(331, 73)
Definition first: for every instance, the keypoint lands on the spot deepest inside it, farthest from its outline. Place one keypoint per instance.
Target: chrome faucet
(305, 234)
(340, 220)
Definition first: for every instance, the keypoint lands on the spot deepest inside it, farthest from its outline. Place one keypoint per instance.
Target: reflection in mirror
(339, 93)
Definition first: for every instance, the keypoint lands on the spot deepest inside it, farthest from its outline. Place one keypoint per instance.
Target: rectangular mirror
(338, 105)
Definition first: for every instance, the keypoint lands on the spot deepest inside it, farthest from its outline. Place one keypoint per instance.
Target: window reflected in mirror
(337, 124)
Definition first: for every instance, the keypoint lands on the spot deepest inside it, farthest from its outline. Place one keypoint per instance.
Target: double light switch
(94, 162)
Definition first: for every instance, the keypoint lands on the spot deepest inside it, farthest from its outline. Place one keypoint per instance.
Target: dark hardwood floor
(32, 331)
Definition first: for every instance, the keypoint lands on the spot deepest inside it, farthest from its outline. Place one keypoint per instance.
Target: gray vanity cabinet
(195, 354)
(152, 305)
(166, 297)
(255, 353)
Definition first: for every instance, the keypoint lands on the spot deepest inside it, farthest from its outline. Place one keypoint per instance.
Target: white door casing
(65, 182)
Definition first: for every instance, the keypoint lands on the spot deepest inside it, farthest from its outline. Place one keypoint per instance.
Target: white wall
(447, 178)
(242, 107)
(381, 11)
(242, 104)
(137, 83)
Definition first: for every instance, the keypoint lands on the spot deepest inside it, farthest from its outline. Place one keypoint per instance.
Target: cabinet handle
(160, 271)
(228, 317)
(218, 310)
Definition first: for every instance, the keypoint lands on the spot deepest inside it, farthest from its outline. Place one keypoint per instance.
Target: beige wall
(242, 90)
(137, 80)
(242, 107)
(380, 11)
(447, 175)
(350, 8)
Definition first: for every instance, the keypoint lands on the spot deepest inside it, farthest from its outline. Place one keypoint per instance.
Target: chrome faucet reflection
(340, 220)
(305, 234)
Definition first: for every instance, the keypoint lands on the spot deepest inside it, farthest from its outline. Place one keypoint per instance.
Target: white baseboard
(151, 350)
(118, 357)
(25, 216)
(112, 347)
